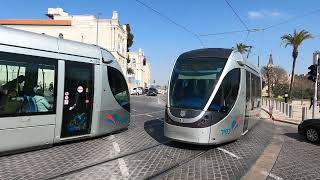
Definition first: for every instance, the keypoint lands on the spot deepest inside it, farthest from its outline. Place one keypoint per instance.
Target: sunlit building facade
(141, 76)
(107, 33)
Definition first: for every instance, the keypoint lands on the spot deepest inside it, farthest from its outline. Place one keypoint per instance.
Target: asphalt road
(142, 152)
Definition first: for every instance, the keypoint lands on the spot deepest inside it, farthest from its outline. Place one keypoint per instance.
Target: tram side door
(248, 100)
(78, 99)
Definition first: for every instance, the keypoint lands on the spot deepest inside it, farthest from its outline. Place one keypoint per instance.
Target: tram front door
(78, 99)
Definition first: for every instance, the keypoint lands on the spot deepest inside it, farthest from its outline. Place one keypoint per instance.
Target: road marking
(111, 137)
(123, 168)
(134, 110)
(272, 175)
(149, 115)
(116, 147)
(228, 152)
(146, 113)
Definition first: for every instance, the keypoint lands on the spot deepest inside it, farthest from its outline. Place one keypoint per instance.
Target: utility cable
(221, 33)
(292, 19)
(239, 18)
(266, 27)
(172, 21)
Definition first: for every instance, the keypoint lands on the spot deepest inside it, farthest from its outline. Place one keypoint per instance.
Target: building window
(144, 61)
(28, 85)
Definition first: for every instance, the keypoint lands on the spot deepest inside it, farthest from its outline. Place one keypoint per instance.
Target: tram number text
(225, 131)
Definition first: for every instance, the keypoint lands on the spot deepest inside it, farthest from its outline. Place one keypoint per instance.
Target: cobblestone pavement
(298, 159)
(216, 164)
(142, 152)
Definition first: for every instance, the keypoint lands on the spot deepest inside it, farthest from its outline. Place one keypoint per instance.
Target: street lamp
(97, 36)
(286, 95)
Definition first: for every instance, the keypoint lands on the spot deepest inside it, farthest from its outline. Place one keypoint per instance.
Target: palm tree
(295, 40)
(243, 48)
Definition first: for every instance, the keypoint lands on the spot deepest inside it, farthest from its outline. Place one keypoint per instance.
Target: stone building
(107, 33)
(141, 76)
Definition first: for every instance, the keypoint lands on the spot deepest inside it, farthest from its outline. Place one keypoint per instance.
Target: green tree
(130, 37)
(295, 40)
(302, 88)
(271, 76)
(280, 89)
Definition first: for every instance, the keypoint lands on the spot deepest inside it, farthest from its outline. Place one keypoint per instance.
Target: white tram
(54, 90)
(214, 96)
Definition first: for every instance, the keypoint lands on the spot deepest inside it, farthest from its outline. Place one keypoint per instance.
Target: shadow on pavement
(296, 136)
(300, 138)
(155, 129)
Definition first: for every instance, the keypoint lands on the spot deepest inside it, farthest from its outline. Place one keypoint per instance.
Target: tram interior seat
(29, 104)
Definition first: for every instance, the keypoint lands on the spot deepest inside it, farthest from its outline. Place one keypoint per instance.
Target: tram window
(248, 88)
(27, 85)
(193, 81)
(119, 87)
(255, 91)
(227, 93)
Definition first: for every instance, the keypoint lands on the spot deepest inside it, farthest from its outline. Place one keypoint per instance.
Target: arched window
(144, 61)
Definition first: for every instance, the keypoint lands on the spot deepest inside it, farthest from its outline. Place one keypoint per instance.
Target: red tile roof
(36, 22)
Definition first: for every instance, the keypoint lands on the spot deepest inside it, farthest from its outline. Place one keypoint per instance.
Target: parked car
(136, 91)
(146, 90)
(310, 128)
(152, 92)
(141, 90)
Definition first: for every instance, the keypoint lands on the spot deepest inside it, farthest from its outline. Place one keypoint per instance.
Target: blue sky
(163, 41)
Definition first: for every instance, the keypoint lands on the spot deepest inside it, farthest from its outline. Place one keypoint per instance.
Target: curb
(283, 121)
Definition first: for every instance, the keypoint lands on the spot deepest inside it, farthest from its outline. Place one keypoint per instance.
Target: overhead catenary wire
(241, 21)
(172, 21)
(222, 33)
(237, 15)
(266, 27)
(292, 19)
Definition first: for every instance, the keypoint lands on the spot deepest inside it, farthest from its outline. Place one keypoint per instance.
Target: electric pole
(97, 28)
(315, 97)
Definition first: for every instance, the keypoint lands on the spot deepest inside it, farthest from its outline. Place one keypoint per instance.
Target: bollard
(290, 111)
(304, 113)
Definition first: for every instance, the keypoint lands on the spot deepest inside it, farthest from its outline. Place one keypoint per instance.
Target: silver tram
(54, 90)
(214, 97)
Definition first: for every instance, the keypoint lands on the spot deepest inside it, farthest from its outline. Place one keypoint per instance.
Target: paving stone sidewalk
(278, 116)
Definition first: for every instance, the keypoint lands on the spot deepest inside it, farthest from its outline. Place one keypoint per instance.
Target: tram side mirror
(107, 61)
(241, 62)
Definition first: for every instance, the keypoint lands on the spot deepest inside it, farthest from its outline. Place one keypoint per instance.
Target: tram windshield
(193, 81)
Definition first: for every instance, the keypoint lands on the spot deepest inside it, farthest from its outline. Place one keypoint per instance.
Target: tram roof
(208, 52)
(24, 39)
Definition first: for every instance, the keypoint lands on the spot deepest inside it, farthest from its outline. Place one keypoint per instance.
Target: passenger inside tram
(25, 89)
(41, 102)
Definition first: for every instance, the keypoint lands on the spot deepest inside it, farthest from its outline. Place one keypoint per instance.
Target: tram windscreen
(193, 80)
